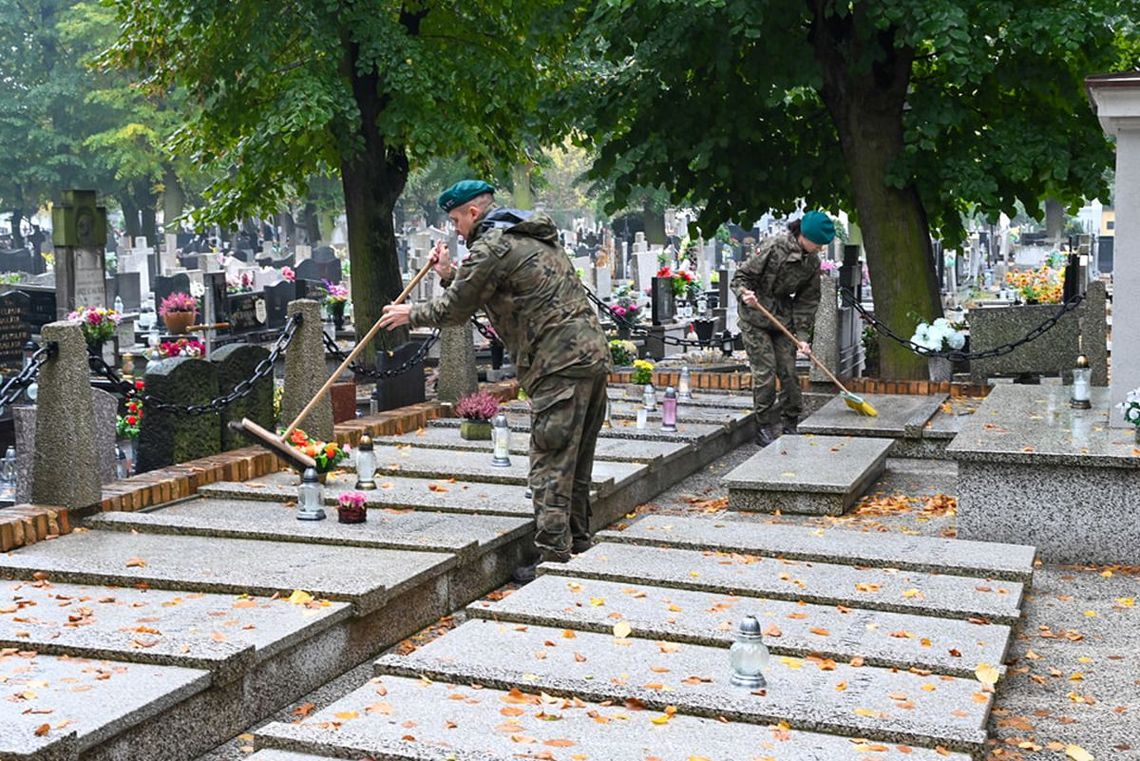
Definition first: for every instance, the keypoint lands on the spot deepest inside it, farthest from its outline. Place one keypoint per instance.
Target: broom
(854, 401)
(280, 444)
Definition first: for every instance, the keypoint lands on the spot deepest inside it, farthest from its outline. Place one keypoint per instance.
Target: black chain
(15, 385)
(486, 331)
(389, 372)
(957, 355)
(640, 331)
(240, 391)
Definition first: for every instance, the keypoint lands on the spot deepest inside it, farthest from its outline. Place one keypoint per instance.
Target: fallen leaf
(622, 629)
(986, 674)
(1077, 753)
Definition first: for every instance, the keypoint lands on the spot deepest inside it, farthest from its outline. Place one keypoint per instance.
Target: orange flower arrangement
(327, 454)
(1043, 285)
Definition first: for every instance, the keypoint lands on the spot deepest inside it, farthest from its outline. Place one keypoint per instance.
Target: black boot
(765, 435)
(525, 574)
(789, 425)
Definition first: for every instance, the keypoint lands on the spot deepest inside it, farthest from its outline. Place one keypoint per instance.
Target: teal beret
(817, 227)
(462, 192)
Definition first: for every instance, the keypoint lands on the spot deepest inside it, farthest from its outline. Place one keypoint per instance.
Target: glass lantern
(649, 398)
(684, 385)
(748, 655)
(727, 344)
(365, 464)
(1082, 384)
(501, 439)
(669, 411)
(310, 497)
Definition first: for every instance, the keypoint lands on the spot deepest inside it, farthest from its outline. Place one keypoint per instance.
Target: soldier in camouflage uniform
(783, 276)
(519, 274)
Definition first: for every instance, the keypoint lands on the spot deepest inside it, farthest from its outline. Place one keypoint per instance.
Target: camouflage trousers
(566, 415)
(771, 356)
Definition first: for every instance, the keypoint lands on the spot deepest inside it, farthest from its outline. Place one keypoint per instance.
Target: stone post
(825, 334)
(306, 372)
(458, 376)
(65, 471)
(1116, 99)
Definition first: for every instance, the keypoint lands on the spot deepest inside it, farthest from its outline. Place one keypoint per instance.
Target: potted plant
(350, 507)
(178, 311)
(326, 454)
(98, 325)
(476, 410)
(642, 374)
(622, 352)
(1131, 409)
(940, 336)
(336, 296)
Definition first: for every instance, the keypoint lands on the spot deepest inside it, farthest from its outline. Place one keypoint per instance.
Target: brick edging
(21, 525)
(742, 381)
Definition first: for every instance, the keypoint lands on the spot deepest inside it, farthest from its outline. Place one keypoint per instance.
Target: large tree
(360, 89)
(905, 112)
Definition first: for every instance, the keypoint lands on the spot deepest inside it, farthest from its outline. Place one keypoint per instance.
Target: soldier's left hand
(396, 315)
(804, 347)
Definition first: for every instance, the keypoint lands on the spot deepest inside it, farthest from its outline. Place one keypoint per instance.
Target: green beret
(817, 227)
(462, 192)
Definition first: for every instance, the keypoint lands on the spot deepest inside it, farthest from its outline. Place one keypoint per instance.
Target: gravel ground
(1074, 682)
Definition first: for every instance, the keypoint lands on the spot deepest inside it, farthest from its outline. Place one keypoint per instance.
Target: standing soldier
(783, 276)
(518, 273)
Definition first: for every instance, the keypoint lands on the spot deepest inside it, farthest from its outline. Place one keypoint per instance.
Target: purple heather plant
(178, 302)
(477, 406)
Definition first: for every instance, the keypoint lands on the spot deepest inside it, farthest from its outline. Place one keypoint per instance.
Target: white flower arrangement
(1131, 407)
(940, 336)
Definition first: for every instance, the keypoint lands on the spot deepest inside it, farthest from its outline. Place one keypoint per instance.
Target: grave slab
(463, 535)
(394, 492)
(792, 628)
(622, 428)
(62, 692)
(367, 578)
(868, 702)
(224, 634)
(700, 398)
(453, 722)
(284, 755)
(915, 553)
(813, 475)
(614, 450)
(900, 416)
(885, 589)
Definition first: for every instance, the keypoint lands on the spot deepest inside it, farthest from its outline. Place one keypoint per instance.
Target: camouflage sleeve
(748, 274)
(803, 308)
(470, 288)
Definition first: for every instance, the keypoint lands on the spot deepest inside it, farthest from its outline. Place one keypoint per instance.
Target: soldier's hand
(395, 315)
(804, 347)
(749, 298)
(440, 260)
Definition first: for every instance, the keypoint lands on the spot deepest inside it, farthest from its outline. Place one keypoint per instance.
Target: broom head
(271, 441)
(859, 404)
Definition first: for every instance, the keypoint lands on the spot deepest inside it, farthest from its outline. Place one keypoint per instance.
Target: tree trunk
(149, 214)
(1054, 221)
(310, 224)
(654, 222)
(130, 216)
(288, 227)
(522, 193)
(173, 200)
(866, 104)
(373, 181)
(17, 236)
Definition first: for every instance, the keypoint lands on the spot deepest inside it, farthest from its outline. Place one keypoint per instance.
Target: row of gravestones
(322, 265)
(257, 310)
(168, 436)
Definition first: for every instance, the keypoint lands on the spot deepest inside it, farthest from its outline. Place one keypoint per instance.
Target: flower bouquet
(941, 336)
(681, 281)
(642, 372)
(183, 347)
(336, 296)
(1131, 409)
(622, 352)
(476, 410)
(178, 311)
(127, 426)
(1040, 286)
(327, 454)
(98, 324)
(350, 507)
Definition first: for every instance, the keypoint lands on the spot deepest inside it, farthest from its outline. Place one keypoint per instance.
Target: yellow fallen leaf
(347, 715)
(597, 602)
(1077, 753)
(300, 597)
(792, 663)
(662, 719)
(867, 713)
(622, 629)
(986, 674)
(1125, 602)
(1090, 614)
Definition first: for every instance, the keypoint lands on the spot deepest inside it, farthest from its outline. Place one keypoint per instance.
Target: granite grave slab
(463, 535)
(615, 450)
(814, 475)
(900, 416)
(701, 398)
(621, 428)
(394, 492)
(884, 589)
(819, 696)
(223, 634)
(367, 578)
(61, 693)
(834, 545)
(685, 413)
(453, 721)
(791, 628)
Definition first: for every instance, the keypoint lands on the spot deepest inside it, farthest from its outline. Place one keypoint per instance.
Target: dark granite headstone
(235, 363)
(324, 254)
(215, 283)
(245, 312)
(167, 437)
(14, 330)
(127, 288)
(311, 269)
(277, 298)
(164, 286)
(406, 388)
(664, 303)
(41, 306)
(16, 260)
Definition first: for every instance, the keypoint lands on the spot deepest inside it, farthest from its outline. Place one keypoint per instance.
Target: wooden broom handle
(772, 318)
(360, 344)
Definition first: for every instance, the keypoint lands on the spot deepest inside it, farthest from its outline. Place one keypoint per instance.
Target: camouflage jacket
(519, 274)
(785, 279)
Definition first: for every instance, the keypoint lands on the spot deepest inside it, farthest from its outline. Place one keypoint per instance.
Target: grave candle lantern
(501, 438)
(727, 344)
(310, 497)
(365, 464)
(748, 655)
(649, 398)
(684, 387)
(669, 411)
(1082, 384)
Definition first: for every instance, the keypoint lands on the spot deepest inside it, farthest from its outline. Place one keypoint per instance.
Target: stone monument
(306, 371)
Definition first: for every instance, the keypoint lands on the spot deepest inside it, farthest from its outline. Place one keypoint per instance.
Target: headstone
(164, 286)
(16, 260)
(458, 375)
(403, 389)
(41, 305)
(664, 302)
(137, 263)
(128, 288)
(645, 265)
(15, 331)
(302, 252)
(246, 312)
(80, 278)
(603, 281)
(167, 437)
(65, 470)
(266, 277)
(277, 298)
(312, 269)
(305, 373)
(236, 363)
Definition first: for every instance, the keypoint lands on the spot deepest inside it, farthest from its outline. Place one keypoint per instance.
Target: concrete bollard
(305, 373)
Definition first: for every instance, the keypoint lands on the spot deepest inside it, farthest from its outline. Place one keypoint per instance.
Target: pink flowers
(826, 265)
(335, 292)
(96, 323)
(178, 302)
(629, 311)
(477, 406)
(183, 347)
(353, 499)
(288, 273)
